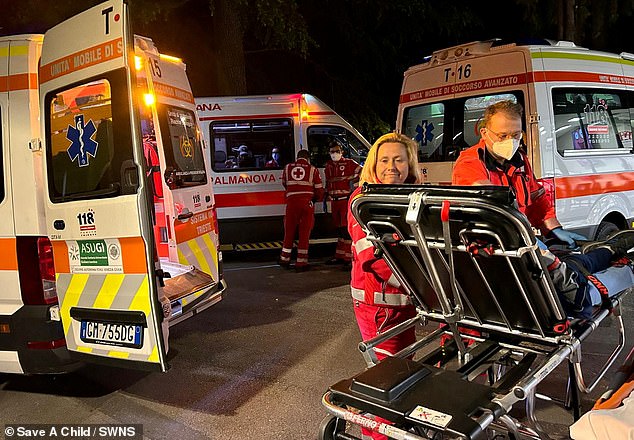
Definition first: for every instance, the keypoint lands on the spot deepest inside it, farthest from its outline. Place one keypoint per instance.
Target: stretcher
(470, 262)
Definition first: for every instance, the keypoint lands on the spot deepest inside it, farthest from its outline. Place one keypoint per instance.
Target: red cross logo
(298, 173)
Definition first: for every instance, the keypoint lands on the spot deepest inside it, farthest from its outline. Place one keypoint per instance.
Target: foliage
(350, 53)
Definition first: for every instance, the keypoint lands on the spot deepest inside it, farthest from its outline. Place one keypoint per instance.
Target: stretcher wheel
(329, 427)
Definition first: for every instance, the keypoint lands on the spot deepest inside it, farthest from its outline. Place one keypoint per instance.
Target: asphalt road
(253, 366)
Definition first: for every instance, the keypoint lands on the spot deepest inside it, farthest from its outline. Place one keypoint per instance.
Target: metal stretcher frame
(469, 260)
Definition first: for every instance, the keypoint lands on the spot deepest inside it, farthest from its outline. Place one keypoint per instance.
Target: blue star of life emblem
(424, 132)
(81, 140)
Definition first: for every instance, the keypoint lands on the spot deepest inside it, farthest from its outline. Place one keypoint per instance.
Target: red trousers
(373, 320)
(300, 214)
(339, 210)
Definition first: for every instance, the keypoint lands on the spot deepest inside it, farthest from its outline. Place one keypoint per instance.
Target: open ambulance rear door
(98, 209)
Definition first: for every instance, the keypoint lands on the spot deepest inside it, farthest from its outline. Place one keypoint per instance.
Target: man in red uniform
(497, 160)
(341, 175)
(303, 187)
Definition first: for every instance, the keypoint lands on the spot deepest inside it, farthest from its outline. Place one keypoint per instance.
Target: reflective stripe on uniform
(381, 299)
(362, 244)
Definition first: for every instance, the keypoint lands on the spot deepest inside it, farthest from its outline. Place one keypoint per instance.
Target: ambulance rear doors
(184, 203)
(443, 100)
(97, 204)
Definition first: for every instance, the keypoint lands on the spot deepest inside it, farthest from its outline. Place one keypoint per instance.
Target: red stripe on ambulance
(250, 199)
(592, 184)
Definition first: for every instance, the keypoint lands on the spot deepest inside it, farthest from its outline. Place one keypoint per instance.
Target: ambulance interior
(444, 129)
(247, 144)
(99, 163)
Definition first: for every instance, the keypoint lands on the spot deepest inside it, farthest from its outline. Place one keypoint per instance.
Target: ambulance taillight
(37, 270)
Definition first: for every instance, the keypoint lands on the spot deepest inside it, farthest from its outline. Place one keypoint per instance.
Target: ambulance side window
(319, 138)
(591, 119)
(2, 193)
(88, 139)
(248, 144)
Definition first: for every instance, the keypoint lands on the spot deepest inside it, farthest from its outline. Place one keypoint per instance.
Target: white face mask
(506, 148)
(335, 156)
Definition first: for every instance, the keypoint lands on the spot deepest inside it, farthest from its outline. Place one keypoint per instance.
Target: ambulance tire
(605, 228)
(328, 428)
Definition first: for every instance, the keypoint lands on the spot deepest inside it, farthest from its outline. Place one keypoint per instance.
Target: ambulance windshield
(182, 146)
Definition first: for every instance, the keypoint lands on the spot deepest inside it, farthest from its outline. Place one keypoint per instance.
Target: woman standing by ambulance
(379, 300)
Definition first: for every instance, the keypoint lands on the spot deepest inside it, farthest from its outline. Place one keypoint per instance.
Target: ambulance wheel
(329, 427)
(605, 229)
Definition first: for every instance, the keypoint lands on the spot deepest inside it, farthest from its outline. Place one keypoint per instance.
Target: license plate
(110, 333)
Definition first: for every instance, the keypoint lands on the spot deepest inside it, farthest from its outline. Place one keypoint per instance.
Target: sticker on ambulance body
(95, 256)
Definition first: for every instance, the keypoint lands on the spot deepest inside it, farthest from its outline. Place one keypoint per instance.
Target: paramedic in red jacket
(498, 160)
(379, 300)
(342, 175)
(303, 187)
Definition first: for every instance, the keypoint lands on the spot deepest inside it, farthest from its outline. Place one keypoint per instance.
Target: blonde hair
(368, 174)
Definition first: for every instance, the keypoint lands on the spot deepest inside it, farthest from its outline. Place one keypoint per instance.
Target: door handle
(185, 215)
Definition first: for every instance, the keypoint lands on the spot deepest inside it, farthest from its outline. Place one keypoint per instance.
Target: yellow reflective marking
(84, 349)
(15, 50)
(181, 257)
(118, 354)
(212, 248)
(141, 300)
(19, 50)
(184, 302)
(71, 298)
(108, 291)
(199, 256)
(154, 356)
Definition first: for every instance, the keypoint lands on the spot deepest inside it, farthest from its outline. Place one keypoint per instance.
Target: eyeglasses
(503, 136)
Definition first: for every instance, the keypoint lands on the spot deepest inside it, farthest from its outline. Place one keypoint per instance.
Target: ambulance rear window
(182, 146)
(443, 129)
(591, 120)
(88, 140)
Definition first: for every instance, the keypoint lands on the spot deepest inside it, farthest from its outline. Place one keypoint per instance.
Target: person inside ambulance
(276, 159)
(498, 160)
(379, 300)
(342, 175)
(245, 157)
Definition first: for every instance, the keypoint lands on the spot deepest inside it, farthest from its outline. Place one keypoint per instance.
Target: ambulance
(242, 132)
(577, 123)
(109, 233)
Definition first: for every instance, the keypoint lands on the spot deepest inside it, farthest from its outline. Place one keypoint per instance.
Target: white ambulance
(242, 132)
(578, 120)
(107, 237)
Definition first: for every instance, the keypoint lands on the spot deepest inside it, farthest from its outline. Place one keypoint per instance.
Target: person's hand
(325, 207)
(567, 237)
(541, 244)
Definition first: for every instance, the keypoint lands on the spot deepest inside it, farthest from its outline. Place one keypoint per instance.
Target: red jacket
(372, 281)
(476, 165)
(339, 176)
(302, 181)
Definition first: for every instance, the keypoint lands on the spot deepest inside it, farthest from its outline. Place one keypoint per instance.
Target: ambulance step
(187, 283)
(240, 247)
